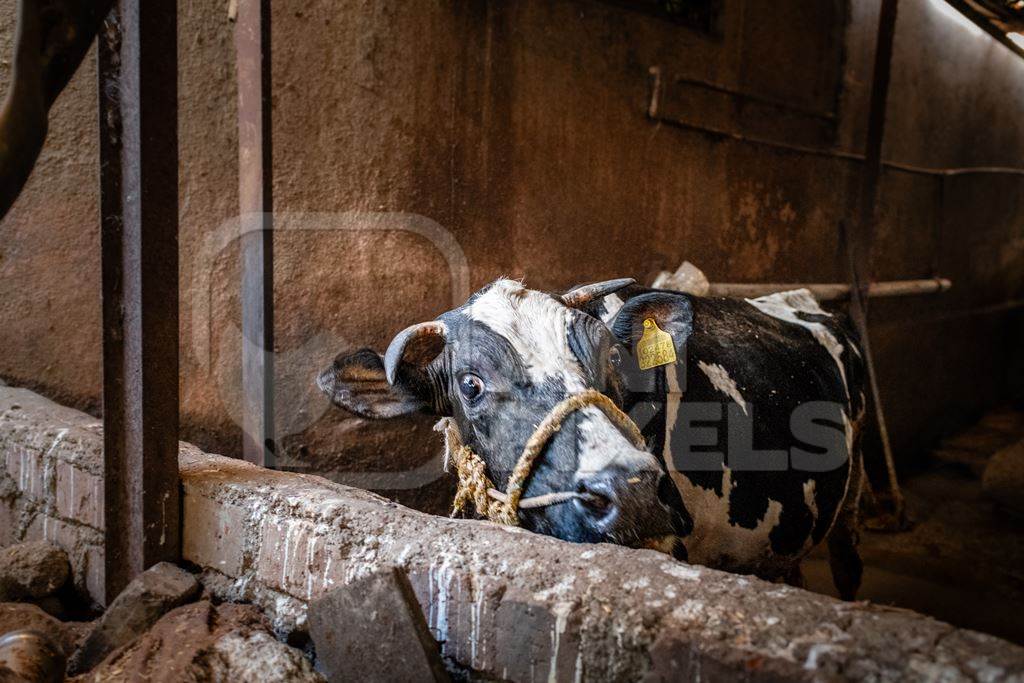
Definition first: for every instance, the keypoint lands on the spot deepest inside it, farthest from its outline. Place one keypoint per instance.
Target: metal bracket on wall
(720, 110)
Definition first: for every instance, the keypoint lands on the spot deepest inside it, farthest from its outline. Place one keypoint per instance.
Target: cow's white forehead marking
(536, 326)
(785, 306)
(721, 381)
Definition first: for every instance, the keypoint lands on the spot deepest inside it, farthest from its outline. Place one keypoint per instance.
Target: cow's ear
(358, 383)
(671, 312)
(415, 346)
(580, 297)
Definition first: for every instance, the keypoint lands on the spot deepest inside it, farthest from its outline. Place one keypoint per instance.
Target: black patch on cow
(794, 526)
(589, 341)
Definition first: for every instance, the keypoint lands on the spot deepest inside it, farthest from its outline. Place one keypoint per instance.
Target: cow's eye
(471, 386)
(615, 356)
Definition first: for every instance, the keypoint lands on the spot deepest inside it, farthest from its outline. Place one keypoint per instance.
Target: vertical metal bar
(867, 204)
(139, 233)
(255, 191)
(861, 238)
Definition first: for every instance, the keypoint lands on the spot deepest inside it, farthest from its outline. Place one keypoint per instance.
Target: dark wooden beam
(255, 190)
(986, 25)
(139, 236)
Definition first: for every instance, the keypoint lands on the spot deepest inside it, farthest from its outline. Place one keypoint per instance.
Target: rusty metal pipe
(832, 291)
(31, 656)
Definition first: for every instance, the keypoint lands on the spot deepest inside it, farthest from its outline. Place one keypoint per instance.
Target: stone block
(32, 571)
(148, 597)
(291, 556)
(373, 630)
(206, 642)
(214, 534)
(79, 495)
(25, 467)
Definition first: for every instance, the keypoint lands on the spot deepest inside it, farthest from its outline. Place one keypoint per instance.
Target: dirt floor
(963, 560)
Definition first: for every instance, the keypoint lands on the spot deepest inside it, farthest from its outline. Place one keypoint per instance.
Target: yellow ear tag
(655, 347)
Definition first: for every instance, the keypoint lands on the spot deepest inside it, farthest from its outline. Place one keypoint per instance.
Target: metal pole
(139, 234)
(255, 190)
(831, 291)
(860, 238)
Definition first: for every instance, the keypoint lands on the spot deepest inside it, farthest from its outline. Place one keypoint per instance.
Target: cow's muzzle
(624, 506)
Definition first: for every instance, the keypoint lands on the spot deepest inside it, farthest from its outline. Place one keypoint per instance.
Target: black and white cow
(752, 433)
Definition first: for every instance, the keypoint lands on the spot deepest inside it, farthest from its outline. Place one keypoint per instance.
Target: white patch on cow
(721, 381)
(602, 445)
(786, 305)
(673, 396)
(849, 430)
(612, 304)
(536, 325)
(811, 501)
(714, 539)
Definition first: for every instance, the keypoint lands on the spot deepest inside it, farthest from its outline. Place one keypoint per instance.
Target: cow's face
(497, 365)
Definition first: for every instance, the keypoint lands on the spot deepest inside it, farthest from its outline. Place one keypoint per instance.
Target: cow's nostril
(592, 499)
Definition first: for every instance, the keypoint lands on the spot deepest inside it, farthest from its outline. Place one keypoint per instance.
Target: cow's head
(497, 365)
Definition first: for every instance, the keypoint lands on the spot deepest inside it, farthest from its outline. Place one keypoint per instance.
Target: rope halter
(476, 487)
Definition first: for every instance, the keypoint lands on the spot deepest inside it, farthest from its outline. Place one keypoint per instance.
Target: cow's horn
(584, 294)
(407, 338)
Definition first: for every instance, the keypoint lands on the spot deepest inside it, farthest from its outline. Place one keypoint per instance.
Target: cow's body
(751, 434)
(758, 361)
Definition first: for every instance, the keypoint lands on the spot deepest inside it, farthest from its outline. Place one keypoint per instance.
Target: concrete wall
(504, 603)
(522, 131)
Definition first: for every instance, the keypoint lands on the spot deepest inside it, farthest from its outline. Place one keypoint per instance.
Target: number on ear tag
(655, 347)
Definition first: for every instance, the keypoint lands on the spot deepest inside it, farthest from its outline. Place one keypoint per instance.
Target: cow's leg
(795, 577)
(843, 558)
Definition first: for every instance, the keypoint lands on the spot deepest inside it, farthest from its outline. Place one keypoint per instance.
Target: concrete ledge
(505, 603)
(51, 480)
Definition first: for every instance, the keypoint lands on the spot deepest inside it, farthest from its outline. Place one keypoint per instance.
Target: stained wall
(423, 149)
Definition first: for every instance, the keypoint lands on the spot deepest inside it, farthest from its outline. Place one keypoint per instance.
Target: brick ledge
(504, 602)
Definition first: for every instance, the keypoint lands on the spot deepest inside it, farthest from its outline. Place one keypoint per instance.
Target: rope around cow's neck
(476, 487)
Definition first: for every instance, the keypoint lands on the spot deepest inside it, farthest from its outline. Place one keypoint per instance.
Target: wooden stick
(832, 291)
